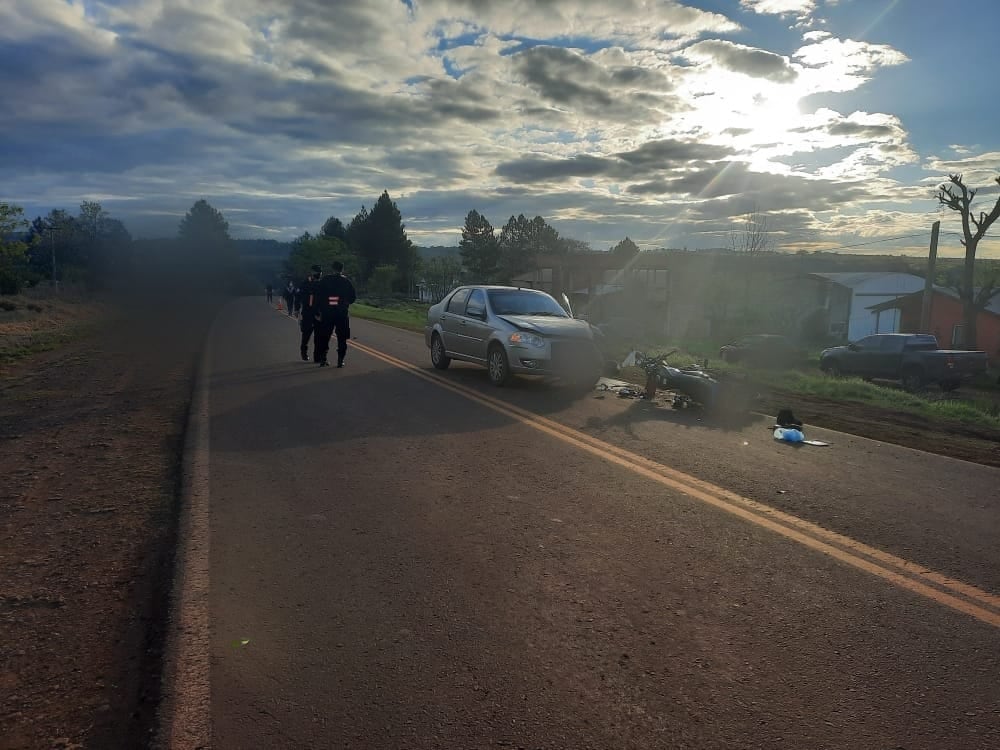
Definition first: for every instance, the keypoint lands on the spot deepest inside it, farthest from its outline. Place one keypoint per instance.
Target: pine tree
(479, 248)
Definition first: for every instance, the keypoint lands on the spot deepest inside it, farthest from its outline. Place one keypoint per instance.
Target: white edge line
(184, 717)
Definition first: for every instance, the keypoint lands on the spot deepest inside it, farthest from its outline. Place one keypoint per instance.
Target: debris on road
(621, 387)
(788, 435)
(788, 429)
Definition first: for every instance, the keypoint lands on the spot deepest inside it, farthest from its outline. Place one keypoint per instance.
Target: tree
(308, 251)
(13, 251)
(441, 275)
(569, 246)
(92, 219)
(334, 227)
(379, 239)
(521, 242)
(752, 238)
(958, 197)
(204, 226)
(479, 248)
(625, 250)
(58, 253)
(382, 280)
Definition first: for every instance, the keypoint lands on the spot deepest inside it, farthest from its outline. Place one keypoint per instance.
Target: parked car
(912, 358)
(512, 331)
(761, 350)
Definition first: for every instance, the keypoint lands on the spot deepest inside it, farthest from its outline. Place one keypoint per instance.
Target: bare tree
(750, 240)
(958, 197)
(753, 236)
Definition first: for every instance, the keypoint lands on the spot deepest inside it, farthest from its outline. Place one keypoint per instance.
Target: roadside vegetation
(34, 324)
(410, 316)
(973, 404)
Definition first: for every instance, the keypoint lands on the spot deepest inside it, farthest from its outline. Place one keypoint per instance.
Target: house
(946, 319)
(849, 297)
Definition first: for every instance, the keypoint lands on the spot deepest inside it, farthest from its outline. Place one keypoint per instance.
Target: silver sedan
(512, 331)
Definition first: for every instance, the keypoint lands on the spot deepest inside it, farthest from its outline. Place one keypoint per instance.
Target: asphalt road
(402, 558)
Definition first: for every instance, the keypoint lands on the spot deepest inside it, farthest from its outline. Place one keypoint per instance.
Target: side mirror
(853, 347)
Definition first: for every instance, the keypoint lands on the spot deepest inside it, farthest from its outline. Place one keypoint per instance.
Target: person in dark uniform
(334, 296)
(270, 293)
(307, 304)
(289, 295)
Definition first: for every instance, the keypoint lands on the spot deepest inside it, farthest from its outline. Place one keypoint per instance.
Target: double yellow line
(939, 588)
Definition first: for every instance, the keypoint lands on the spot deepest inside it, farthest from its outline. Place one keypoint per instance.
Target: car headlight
(527, 339)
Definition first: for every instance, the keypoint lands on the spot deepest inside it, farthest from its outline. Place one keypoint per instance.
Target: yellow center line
(907, 575)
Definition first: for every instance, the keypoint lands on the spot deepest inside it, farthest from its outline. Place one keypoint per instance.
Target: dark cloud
(735, 182)
(540, 169)
(571, 79)
(861, 130)
(668, 152)
(742, 59)
(651, 157)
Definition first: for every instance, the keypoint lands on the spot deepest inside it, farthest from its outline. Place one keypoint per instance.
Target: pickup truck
(912, 358)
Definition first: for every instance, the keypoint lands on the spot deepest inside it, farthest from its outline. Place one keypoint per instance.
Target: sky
(659, 120)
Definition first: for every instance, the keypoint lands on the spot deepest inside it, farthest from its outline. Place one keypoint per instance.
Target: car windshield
(518, 302)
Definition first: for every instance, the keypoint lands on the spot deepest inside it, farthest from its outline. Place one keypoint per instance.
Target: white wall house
(848, 297)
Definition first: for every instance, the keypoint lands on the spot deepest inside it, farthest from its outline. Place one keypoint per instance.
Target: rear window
(922, 343)
(457, 303)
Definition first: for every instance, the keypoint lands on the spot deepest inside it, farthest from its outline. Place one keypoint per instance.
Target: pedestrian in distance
(334, 296)
(289, 295)
(307, 323)
(270, 293)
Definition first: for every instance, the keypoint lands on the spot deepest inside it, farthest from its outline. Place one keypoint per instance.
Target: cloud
(780, 7)
(288, 111)
(739, 58)
(828, 64)
(651, 157)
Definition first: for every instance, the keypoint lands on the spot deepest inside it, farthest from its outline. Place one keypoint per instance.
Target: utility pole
(925, 310)
(52, 243)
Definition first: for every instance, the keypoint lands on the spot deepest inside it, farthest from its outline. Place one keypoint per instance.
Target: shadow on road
(321, 407)
(647, 411)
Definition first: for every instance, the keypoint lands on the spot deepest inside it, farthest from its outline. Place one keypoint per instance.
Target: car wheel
(497, 365)
(913, 380)
(833, 370)
(582, 385)
(949, 385)
(439, 359)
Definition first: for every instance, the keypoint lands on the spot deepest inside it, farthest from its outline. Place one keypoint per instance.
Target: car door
(476, 329)
(453, 321)
(858, 359)
(889, 358)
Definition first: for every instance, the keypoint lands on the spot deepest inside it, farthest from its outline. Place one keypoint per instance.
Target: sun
(748, 111)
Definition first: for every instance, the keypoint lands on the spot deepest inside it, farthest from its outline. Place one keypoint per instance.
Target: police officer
(307, 324)
(334, 294)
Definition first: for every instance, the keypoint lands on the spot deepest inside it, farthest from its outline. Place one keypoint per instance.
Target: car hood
(546, 326)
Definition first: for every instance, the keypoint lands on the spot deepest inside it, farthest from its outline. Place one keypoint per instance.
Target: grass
(809, 382)
(859, 391)
(410, 316)
(29, 327)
